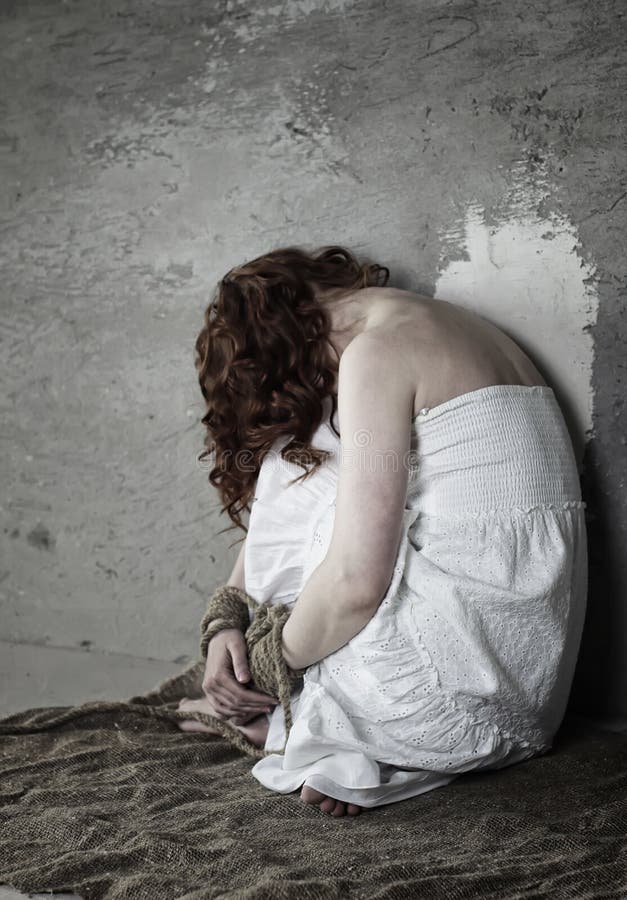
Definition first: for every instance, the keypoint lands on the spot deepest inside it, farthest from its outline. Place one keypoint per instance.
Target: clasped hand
(226, 679)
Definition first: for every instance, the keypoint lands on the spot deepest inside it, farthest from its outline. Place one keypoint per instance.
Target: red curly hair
(265, 364)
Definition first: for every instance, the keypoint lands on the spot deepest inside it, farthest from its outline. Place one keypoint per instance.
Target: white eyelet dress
(468, 662)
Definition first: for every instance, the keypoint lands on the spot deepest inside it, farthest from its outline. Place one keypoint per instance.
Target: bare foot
(328, 804)
(256, 730)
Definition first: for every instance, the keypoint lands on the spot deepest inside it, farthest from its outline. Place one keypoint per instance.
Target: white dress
(469, 659)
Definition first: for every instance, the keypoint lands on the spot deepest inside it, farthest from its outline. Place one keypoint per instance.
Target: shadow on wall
(600, 657)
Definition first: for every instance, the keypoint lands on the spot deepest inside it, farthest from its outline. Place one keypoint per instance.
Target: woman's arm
(375, 402)
(236, 578)
(330, 610)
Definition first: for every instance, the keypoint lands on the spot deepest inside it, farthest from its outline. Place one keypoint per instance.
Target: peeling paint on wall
(524, 274)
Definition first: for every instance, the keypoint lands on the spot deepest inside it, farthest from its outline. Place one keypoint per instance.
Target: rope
(228, 608)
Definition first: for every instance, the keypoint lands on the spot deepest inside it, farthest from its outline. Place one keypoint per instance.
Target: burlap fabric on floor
(112, 800)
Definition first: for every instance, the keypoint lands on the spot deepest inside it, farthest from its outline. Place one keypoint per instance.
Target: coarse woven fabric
(228, 607)
(112, 803)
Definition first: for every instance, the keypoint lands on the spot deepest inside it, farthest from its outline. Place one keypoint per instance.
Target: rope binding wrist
(230, 607)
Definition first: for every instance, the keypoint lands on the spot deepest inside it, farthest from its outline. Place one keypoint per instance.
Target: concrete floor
(33, 676)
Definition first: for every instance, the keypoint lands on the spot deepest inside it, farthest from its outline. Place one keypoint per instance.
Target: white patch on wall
(526, 277)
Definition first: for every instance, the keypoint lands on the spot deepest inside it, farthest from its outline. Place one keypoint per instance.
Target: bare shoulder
(392, 310)
(371, 354)
(398, 321)
(388, 347)
(379, 363)
(383, 340)
(440, 348)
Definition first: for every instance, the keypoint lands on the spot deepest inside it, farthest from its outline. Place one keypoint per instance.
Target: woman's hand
(226, 673)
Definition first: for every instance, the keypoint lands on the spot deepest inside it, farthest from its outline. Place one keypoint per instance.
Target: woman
(434, 557)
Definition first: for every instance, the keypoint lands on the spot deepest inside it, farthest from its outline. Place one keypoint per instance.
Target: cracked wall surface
(475, 149)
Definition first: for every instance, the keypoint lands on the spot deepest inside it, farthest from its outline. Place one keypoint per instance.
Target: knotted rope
(229, 607)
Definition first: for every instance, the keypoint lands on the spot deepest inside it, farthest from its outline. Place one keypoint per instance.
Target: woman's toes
(191, 725)
(314, 798)
(187, 705)
(340, 809)
(328, 805)
(310, 796)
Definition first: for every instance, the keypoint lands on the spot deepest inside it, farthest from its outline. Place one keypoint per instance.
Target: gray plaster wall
(477, 149)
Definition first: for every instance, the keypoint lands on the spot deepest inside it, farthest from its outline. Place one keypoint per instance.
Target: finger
(224, 710)
(239, 657)
(226, 699)
(191, 706)
(237, 716)
(247, 710)
(244, 706)
(232, 693)
(245, 695)
(224, 682)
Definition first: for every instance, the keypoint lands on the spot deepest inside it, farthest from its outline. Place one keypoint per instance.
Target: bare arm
(340, 597)
(236, 578)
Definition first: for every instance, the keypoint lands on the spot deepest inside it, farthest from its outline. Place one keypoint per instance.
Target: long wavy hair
(265, 365)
